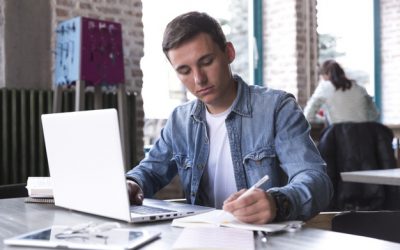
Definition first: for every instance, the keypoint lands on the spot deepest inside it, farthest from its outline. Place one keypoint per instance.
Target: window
(346, 34)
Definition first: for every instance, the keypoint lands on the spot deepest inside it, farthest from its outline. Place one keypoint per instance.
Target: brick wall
(280, 66)
(390, 57)
(290, 56)
(129, 14)
(306, 46)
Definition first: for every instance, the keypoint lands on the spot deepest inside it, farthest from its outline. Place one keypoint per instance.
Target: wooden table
(17, 217)
(382, 176)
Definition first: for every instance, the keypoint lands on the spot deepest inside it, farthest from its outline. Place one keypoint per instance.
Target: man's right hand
(135, 193)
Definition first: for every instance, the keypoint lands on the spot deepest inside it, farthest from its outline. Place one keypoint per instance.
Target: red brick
(86, 6)
(62, 13)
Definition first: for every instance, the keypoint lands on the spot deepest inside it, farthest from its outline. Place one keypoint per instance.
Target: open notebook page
(221, 218)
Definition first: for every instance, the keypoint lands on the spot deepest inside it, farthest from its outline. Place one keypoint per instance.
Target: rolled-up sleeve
(309, 187)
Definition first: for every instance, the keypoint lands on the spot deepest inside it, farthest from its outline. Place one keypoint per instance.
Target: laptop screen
(86, 162)
(87, 168)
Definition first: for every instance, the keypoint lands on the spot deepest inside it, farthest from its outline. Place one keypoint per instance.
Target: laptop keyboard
(143, 209)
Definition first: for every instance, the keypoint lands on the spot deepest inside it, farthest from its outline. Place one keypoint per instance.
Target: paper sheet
(220, 238)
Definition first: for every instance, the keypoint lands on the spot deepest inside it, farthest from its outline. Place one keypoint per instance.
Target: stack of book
(39, 190)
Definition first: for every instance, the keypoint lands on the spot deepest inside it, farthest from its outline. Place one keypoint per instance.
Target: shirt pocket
(184, 165)
(182, 161)
(259, 163)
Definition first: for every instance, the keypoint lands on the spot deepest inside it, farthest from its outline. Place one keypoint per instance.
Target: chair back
(13, 191)
(353, 147)
(382, 225)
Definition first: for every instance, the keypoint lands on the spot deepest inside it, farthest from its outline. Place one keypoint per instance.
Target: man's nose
(200, 78)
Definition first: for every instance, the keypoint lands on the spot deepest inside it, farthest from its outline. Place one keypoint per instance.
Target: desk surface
(17, 217)
(384, 176)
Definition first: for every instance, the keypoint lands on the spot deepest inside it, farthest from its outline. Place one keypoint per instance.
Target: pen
(257, 185)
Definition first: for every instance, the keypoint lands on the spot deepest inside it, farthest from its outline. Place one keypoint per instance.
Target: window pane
(345, 29)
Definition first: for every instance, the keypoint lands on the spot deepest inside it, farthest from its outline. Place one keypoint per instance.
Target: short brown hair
(186, 26)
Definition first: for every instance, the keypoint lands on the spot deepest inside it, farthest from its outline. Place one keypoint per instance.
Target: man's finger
(135, 193)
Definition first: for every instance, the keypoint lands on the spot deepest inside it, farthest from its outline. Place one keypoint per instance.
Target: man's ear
(230, 51)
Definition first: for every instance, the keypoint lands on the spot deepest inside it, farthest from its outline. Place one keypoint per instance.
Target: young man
(231, 136)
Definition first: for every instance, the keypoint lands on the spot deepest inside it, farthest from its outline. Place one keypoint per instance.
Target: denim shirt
(268, 134)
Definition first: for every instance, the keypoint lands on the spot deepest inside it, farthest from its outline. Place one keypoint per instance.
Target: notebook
(87, 168)
(221, 218)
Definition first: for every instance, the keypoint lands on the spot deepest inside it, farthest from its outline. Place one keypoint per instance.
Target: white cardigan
(352, 105)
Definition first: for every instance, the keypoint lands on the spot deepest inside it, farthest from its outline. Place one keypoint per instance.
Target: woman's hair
(336, 75)
(186, 26)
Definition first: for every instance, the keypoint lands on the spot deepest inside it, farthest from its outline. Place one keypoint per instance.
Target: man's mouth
(205, 91)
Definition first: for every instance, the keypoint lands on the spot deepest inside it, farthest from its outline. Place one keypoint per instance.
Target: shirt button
(200, 166)
(193, 194)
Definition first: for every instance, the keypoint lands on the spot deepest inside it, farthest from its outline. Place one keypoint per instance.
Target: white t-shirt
(221, 179)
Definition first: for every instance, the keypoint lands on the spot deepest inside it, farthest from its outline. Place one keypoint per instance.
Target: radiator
(22, 150)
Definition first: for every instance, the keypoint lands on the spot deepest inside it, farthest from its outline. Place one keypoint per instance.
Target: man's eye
(183, 71)
(206, 61)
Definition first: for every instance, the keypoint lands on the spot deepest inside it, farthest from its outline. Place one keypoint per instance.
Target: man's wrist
(130, 178)
(283, 205)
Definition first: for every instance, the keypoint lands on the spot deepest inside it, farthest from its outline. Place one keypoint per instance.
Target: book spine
(39, 200)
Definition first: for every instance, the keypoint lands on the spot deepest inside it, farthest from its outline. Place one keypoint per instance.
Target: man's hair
(186, 26)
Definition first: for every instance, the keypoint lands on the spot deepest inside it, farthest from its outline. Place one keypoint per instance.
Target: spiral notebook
(39, 200)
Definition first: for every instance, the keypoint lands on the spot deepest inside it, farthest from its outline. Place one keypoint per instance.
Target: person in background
(232, 135)
(340, 98)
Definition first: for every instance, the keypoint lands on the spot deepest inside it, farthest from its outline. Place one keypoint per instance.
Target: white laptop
(87, 168)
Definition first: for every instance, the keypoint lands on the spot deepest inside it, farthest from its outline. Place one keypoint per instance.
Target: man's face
(204, 69)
